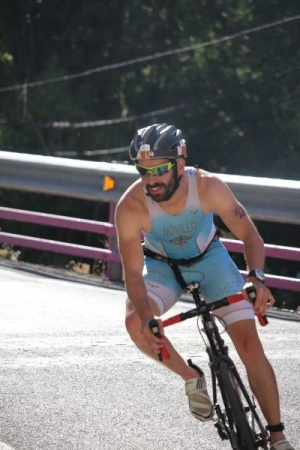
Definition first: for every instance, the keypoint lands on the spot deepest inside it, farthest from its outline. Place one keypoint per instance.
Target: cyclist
(172, 206)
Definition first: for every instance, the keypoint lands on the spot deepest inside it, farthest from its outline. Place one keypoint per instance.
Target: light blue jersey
(185, 236)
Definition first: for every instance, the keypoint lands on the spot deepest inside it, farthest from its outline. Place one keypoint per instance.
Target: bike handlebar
(202, 309)
(207, 307)
(251, 292)
(163, 354)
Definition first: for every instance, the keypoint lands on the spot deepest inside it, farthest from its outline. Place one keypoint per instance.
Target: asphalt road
(71, 379)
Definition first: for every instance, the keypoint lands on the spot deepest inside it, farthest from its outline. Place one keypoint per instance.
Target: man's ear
(181, 166)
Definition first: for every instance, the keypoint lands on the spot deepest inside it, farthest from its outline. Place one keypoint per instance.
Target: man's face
(159, 181)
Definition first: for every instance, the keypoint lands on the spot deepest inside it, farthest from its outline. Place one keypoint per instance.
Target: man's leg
(176, 363)
(195, 385)
(259, 370)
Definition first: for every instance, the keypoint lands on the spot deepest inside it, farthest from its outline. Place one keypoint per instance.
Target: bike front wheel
(239, 431)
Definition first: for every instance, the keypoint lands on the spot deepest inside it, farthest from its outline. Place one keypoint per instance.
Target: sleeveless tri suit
(185, 236)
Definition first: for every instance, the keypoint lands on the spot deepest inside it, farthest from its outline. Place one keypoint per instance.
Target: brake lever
(251, 292)
(163, 353)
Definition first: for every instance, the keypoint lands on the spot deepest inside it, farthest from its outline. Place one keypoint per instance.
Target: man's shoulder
(208, 177)
(135, 190)
(210, 185)
(198, 172)
(133, 198)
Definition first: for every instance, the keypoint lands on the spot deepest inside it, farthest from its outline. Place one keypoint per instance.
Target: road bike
(235, 412)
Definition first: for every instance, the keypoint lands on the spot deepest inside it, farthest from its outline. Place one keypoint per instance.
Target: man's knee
(253, 347)
(253, 354)
(132, 322)
(246, 341)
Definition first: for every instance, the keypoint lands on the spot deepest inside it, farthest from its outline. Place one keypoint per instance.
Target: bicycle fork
(223, 418)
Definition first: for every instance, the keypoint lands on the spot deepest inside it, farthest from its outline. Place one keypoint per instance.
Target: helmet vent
(157, 141)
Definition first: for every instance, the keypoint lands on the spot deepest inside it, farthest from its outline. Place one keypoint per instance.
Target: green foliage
(234, 92)
(8, 252)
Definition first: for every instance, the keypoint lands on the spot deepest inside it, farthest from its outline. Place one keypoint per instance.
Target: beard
(165, 190)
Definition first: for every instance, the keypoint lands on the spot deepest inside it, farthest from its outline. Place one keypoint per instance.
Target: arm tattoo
(240, 212)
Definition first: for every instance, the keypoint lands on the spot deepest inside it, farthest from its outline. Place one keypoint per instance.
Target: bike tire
(241, 435)
(255, 423)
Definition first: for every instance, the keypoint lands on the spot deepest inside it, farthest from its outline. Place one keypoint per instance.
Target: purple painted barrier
(60, 247)
(71, 223)
(275, 281)
(111, 255)
(92, 226)
(272, 251)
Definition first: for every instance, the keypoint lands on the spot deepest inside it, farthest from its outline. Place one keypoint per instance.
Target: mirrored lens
(156, 170)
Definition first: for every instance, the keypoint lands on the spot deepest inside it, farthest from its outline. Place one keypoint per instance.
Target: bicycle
(236, 418)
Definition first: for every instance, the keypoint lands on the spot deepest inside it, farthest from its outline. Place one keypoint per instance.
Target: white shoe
(281, 445)
(199, 402)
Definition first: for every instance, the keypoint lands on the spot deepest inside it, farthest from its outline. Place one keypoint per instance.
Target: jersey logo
(180, 240)
(195, 212)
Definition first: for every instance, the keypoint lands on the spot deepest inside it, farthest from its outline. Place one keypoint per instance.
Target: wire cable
(56, 124)
(150, 57)
(99, 123)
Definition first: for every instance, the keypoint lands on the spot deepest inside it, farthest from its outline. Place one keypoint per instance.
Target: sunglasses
(156, 171)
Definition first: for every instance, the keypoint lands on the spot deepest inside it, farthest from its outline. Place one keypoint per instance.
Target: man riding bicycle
(172, 206)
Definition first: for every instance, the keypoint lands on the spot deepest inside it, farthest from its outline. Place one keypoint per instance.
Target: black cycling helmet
(158, 141)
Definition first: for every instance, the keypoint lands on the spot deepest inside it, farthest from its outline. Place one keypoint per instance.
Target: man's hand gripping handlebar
(154, 325)
(251, 293)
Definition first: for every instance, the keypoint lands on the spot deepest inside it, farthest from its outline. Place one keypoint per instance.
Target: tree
(235, 98)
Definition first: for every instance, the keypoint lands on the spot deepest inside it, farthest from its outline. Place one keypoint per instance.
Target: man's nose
(149, 176)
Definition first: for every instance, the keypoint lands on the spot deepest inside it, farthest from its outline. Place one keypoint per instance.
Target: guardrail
(265, 199)
(107, 255)
(113, 271)
(272, 251)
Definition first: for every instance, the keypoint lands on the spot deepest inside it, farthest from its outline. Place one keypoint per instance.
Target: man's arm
(221, 200)
(128, 225)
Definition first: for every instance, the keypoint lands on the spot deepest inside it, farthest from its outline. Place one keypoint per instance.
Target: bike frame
(220, 362)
